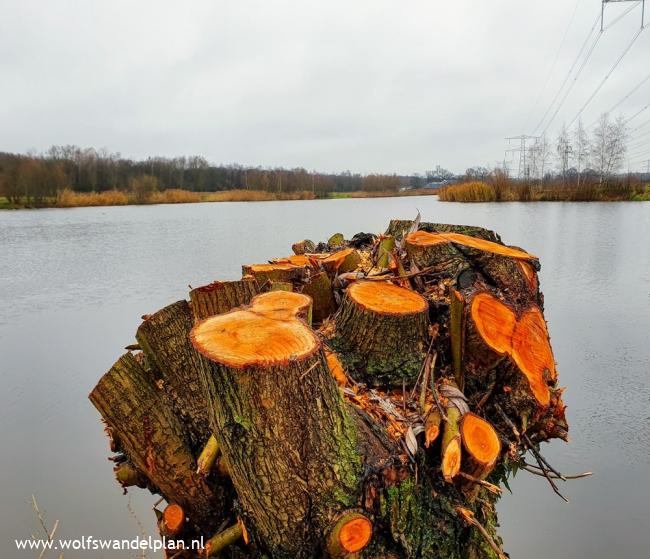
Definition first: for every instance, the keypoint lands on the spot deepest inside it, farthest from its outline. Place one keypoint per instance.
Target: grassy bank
(587, 190)
(70, 199)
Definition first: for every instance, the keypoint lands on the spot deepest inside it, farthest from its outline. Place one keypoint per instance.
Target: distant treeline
(34, 177)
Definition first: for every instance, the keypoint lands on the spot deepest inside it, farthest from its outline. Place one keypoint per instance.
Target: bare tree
(538, 159)
(582, 149)
(563, 149)
(608, 146)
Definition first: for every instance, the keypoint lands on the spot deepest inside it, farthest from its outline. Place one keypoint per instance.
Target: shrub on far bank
(474, 191)
(174, 196)
(68, 198)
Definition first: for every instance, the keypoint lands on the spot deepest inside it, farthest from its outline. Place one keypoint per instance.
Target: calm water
(73, 284)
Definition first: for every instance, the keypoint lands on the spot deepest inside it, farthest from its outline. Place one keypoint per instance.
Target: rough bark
(286, 437)
(154, 439)
(389, 436)
(221, 296)
(164, 339)
(382, 346)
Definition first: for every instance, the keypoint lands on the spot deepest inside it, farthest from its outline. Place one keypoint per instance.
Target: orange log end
(532, 352)
(282, 305)
(355, 534)
(494, 321)
(265, 333)
(385, 298)
(422, 238)
(480, 439)
(336, 367)
(524, 339)
(335, 260)
(451, 460)
(174, 519)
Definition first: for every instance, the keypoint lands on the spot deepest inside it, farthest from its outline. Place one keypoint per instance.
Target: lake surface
(74, 283)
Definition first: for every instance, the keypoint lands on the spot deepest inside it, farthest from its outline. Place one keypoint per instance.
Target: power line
(573, 66)
(581, 67)
(632, 92)
(611, 71)
(641, 126)
(637, 114)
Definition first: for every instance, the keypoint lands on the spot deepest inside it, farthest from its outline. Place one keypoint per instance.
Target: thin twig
(539, 457)
(468, 516)
(538, 472)
(507, 420)
(309, 370)
(550, 480)
(489, 486)
(422, 367)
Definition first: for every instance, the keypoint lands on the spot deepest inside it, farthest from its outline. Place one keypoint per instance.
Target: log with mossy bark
(359, 398)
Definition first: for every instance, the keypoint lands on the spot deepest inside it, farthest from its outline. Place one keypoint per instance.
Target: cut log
(264, 373)
(384, 249)
(335, 241)
(164, 338)
(432, 427)
(421, 240)
(173, 519)
(382, 329)
(351, 533)
(451, 445)
(345, 260)
(283, 305)
(154, 439)
(319, 288)
(481, 443)
(221, 296)
(523, 338)
(398, 228)
(208, 456)
(219, 542)
(304, 246)
(273, 272)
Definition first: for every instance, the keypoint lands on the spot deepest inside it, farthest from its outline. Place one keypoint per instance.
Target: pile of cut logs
(362, 397)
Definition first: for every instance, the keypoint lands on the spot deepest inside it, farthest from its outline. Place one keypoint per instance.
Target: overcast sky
(370, 86)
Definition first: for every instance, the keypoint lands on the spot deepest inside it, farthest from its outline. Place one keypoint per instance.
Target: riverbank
(505, 190)
(70, 199)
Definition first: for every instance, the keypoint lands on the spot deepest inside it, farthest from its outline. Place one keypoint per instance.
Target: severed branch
(489, 486)
(468, 516)
(536, 470)
(540, 459)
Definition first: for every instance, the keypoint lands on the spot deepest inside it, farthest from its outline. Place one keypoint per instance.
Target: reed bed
(68, 198)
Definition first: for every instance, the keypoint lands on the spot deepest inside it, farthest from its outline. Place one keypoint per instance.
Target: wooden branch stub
(352, 531)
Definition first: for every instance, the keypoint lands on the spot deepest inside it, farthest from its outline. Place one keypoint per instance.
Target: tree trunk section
(154, 439)
(381, 331)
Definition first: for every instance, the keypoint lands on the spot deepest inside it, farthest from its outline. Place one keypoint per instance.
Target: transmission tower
(604, 2)
(524, 171)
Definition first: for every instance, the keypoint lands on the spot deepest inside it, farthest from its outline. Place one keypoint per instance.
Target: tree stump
(382, 329)
(366, 400)
(282, 426)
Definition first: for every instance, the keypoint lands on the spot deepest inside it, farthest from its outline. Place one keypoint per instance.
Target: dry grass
(175, 196)
(67, 198)
(474, 191)
(255, 196)
(384, 193)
